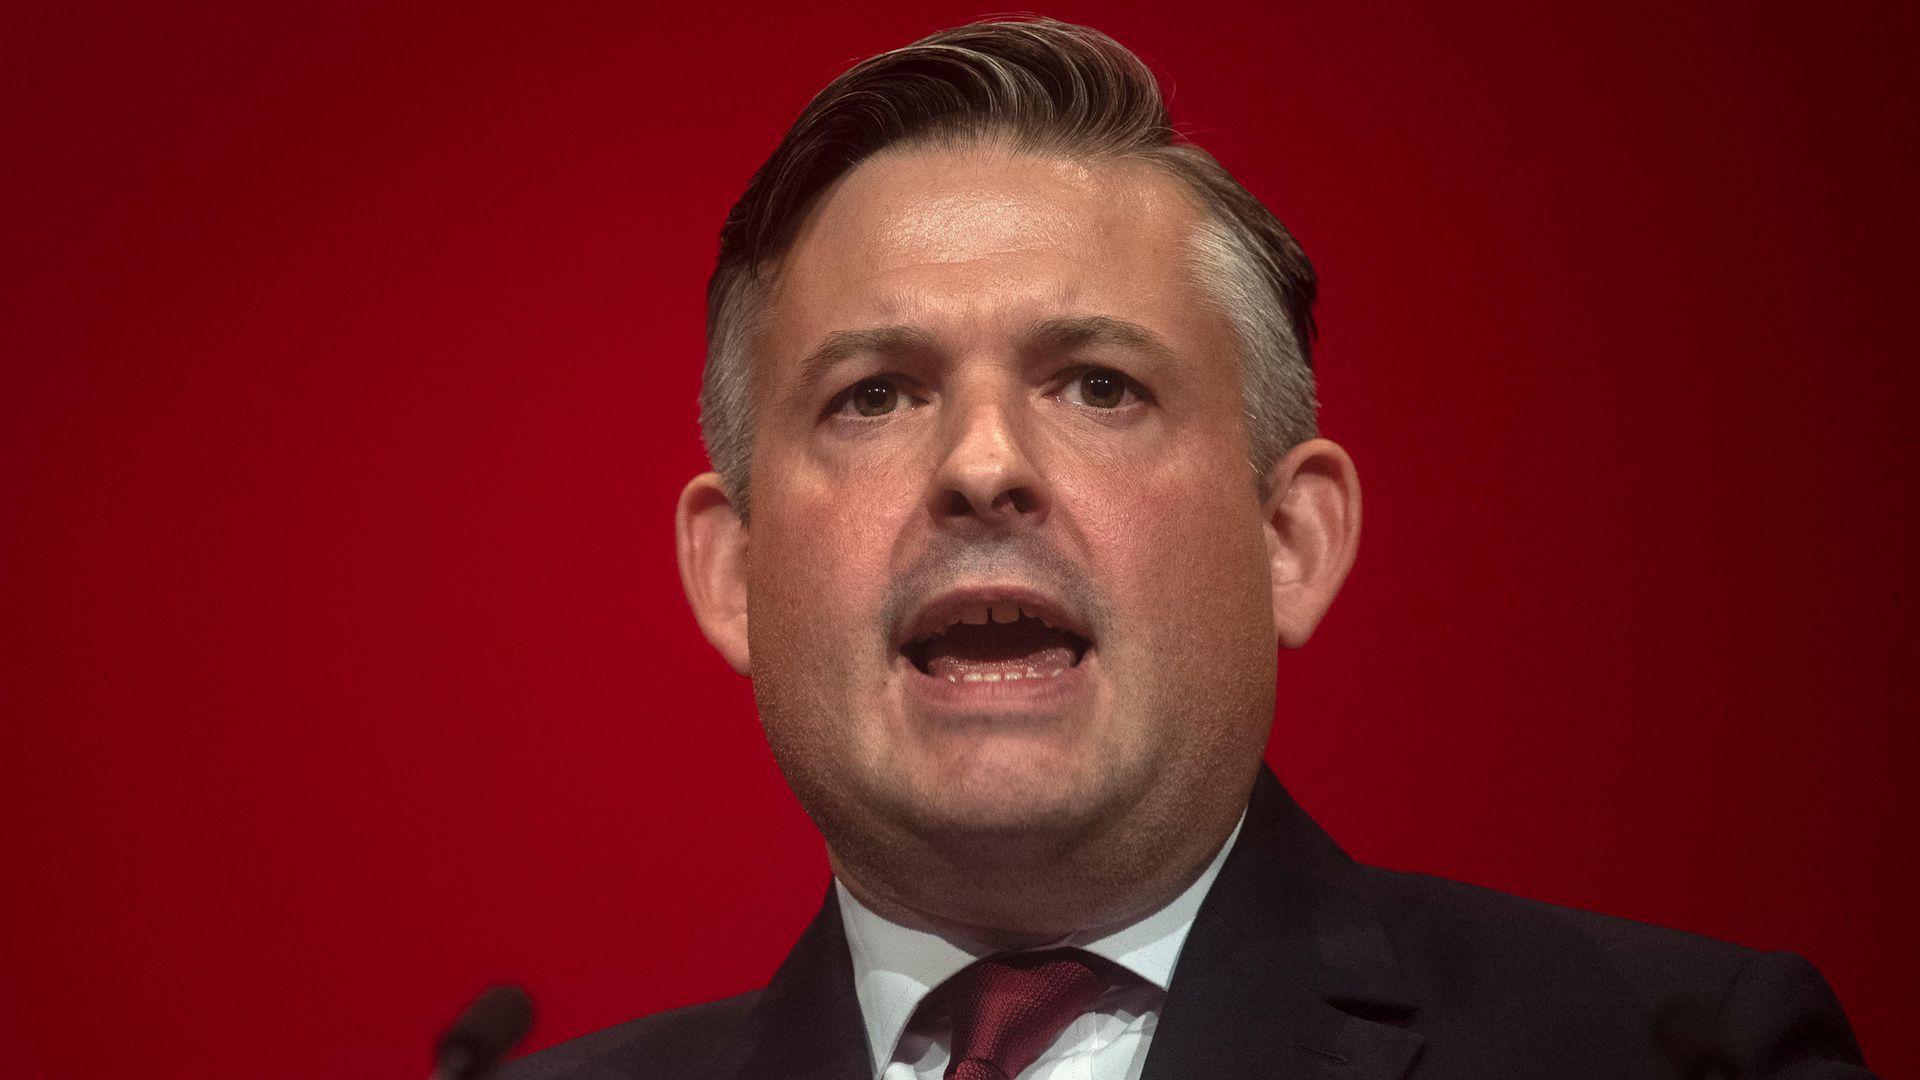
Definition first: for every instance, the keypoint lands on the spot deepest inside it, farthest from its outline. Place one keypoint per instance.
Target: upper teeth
(1000, 611)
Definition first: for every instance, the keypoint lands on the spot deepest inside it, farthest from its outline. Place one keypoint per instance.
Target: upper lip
(943, 609)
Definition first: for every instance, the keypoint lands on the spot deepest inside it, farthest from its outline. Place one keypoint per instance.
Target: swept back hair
(1036, 86)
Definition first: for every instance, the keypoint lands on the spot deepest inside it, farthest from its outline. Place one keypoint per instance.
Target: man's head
(986, 345)
(1038, 87)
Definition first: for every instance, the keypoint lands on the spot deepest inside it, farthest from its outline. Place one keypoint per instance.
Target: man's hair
(1035, 86)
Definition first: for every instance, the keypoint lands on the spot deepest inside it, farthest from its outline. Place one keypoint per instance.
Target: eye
(873, 397)
(1100, 388)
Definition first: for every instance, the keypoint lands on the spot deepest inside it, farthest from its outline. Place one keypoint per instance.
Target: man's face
(1007, 570)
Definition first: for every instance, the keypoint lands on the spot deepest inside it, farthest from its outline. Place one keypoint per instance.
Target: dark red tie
(1008, 1008)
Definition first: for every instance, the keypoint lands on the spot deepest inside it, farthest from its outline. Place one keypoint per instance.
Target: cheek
(819, 551)
(1191, 562)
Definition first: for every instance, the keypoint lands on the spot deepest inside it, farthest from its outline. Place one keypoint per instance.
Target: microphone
(488, 1029)
(1687, 1034)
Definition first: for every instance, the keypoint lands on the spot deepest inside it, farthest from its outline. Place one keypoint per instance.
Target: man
(1017, 493)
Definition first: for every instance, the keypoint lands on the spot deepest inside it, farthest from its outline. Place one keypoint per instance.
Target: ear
(711, 541)
(1313, 533)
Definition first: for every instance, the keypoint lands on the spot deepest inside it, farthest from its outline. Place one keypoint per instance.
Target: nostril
(1005, 504)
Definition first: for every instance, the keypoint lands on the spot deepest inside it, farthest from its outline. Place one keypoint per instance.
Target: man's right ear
(711, 541)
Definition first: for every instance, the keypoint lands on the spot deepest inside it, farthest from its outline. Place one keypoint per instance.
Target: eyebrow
(845, 344)
(1068, 332)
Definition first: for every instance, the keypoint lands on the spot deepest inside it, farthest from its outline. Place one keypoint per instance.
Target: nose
(986, 476)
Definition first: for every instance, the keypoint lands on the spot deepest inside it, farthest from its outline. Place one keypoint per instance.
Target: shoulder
(1472, 949)
(1484, 928)
(682, 1043)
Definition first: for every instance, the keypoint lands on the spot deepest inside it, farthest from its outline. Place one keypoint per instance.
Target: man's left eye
(1100, 388)
(871, 398)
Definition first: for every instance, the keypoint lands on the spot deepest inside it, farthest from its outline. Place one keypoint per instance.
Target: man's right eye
(869, 398)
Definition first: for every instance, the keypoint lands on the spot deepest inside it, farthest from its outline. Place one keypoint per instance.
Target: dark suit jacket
(1303, 963)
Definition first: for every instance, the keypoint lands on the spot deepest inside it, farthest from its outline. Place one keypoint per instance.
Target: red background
(350, 362)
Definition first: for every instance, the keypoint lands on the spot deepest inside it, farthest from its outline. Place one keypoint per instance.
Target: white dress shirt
(895, 967)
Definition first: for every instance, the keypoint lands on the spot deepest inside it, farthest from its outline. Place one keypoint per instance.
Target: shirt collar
(896, 966)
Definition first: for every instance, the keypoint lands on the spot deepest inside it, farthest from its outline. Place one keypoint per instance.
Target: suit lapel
(1287, 971)
(807, 1023)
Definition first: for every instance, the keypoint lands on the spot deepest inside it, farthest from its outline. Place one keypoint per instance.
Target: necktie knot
(1008, 1008)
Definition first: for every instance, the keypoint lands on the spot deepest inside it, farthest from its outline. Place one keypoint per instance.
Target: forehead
(972, 240)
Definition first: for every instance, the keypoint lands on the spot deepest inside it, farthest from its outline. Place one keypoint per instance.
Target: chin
(1011, 788)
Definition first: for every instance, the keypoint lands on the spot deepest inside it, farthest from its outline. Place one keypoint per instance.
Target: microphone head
(496, 1020)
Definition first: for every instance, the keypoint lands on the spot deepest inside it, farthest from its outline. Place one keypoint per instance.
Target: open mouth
(994, 642)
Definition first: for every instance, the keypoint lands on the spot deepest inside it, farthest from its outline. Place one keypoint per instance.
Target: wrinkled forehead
(949, 203)
(985, 234)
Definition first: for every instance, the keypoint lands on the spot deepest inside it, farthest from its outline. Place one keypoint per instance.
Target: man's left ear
(1313, 533)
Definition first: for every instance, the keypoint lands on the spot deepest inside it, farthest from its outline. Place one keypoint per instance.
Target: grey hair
(1037, 86)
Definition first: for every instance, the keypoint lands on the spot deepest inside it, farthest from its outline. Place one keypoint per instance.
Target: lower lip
(1017, 694)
